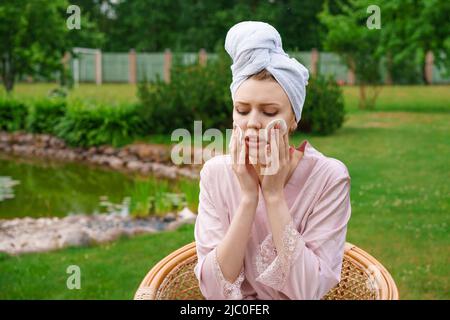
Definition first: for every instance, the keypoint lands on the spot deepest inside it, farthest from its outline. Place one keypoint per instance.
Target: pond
(43, 188)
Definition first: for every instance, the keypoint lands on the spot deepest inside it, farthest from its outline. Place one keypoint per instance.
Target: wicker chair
(362, 278)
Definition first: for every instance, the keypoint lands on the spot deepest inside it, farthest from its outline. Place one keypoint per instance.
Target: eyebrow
(260, 104)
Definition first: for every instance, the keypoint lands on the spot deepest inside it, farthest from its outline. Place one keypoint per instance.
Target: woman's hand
(245, 172)
(276, 174)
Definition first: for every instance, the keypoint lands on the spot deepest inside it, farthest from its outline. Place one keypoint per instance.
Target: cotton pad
(240, 133)
(283, 127)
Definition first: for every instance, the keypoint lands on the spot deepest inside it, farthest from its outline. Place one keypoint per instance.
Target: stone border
(27, 235)
(138, 157)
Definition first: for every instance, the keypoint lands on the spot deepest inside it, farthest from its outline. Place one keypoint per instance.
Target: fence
(91, 65)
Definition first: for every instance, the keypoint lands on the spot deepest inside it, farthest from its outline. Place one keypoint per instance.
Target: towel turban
(254, 46)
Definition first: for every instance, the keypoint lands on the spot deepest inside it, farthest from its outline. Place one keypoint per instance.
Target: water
(53, 188)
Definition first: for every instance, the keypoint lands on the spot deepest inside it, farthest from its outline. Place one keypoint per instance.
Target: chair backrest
(362, 278)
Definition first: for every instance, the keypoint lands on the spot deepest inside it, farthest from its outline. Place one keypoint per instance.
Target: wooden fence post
(98, 67)
(167, 65)
(314, 61)
(429, 60)
(202, 57)
(132, 76)
(350, 77)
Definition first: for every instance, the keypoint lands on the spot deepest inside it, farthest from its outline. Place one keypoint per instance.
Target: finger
(286, 145)
(242, 152)
(276, 152)
(274, 146)
(233, 147)
(281, 146)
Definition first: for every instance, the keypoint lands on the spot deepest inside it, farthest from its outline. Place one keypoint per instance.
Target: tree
(34, 38)
(32, 35)
(412, 28)
(349, 36)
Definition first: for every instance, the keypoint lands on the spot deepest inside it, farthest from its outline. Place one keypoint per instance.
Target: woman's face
(256, 103)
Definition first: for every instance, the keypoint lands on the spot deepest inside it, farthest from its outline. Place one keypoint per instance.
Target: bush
(85, 125)
(44, 115)
(13, 114)
(195, 92)
(203, 93)
(323, 112)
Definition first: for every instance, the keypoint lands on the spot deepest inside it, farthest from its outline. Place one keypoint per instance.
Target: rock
(115, 162)
(169, 217)
(56, 143)
(92, 150)
(105, 236)
(109, 151)
(151, 152)
(147, 168)
(186, 214)
(74, 237)
(161, 170)
(43, 234)
(123, 153)
(134, 165)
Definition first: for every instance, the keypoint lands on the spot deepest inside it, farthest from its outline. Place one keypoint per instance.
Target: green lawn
(400, 195)
(433, 98)
(108, 271)
(106, 93)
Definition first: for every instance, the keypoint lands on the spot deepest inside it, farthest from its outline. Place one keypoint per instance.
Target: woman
(278, 235)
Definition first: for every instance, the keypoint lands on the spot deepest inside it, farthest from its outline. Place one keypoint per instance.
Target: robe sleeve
(209, 231)
(310, 263)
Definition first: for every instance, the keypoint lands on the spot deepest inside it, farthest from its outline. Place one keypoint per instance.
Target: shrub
(85, 125)
(195, 92)
(13, 114)
(203, 93)
(323, 112)
(44, 115)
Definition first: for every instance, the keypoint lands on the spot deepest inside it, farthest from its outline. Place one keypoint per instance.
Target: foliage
(195, 92)
(357, 45)
(34, 37)
(84, 125)
(190, 25)
(323, 112)
(12, 114)
(45, 114)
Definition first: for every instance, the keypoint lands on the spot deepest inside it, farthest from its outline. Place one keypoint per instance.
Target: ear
(293, 125)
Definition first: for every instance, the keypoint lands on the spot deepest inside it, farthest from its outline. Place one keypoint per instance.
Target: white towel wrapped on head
(254, 46)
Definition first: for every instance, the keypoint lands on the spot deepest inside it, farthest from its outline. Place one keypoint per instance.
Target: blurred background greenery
(387, 119)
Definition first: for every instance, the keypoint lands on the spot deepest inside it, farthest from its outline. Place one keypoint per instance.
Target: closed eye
(269, 114)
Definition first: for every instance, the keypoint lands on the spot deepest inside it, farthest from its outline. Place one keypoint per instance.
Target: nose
(253, 121)
(253, 126)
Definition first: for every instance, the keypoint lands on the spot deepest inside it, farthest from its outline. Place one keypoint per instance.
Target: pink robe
(318, 197)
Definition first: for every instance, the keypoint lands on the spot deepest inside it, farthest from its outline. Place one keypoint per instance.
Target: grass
(106, 93)
(400, 196)
(108, 271)
(433, 98)
(416, 98)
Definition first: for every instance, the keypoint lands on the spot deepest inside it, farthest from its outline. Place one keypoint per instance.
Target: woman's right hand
(245, 172)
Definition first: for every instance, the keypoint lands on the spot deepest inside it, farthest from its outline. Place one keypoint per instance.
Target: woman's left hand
(276, 173)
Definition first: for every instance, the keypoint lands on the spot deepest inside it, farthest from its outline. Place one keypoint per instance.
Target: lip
(254, 138)
(254, 144)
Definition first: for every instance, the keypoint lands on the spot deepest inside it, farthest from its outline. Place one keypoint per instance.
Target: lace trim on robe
(273, 268)
(230, 290)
